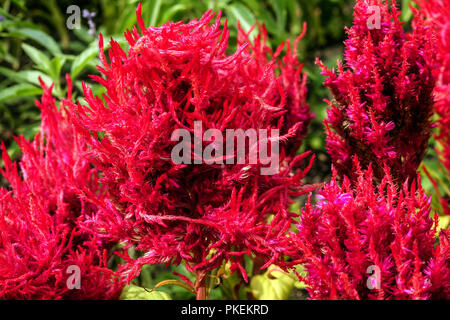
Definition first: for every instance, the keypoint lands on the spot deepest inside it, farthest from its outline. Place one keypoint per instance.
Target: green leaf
(19, 91)
(444, 222)
(172, 11)
(133, 292)
(243, 14)
(280, 12)
(274, 284)
(32, 76)
(126, 19)
(26, 76)
(38, 57)
(406, 11)
(156, 6)
(55, 66)
(82, 60)
(20, 3)
(40, 37)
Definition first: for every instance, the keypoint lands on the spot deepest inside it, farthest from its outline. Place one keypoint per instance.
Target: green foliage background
(34, 41)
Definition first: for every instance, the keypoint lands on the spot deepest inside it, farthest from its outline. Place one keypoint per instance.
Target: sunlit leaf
(133, 292)
(19, 91)
(38, 57)
(243, 14)
(274, 284)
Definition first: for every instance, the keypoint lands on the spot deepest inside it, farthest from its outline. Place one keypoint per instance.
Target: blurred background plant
(36, 42)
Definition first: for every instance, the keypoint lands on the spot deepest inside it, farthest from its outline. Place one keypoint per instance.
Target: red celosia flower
(291, 79)
(354, 231)
(202, 214)
(438, 13)
(383, 94)
(39, 234)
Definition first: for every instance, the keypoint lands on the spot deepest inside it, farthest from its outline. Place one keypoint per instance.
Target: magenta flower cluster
(364, 232)
(383, 94)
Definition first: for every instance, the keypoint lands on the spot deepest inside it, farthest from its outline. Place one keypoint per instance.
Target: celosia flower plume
(373, 242)
(202, 214)
(438, 17)
(41, 243)
(438, 13)
(383, 97)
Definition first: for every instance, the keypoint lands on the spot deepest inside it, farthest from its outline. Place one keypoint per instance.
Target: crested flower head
(180, 77)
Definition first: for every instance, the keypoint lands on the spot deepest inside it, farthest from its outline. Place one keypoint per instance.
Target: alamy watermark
(74, 280)
(255, 152)
(374, 281)
(74, 19)
(374, 20)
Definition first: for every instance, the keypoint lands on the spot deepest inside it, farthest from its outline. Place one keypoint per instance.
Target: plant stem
(200, 286)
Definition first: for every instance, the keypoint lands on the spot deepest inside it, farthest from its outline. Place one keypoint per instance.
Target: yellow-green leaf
(444, 221)
(133, 292)
(274, 284)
